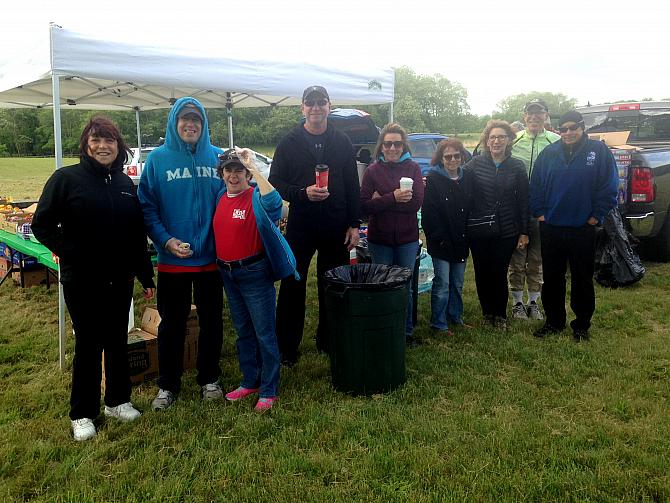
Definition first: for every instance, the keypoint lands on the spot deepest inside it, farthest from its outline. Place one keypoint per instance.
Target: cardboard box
(33, 277)
(4, 266)
(142, 357)
(151, 319)
(28, 261)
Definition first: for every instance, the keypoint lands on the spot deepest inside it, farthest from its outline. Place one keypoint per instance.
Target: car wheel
(662, 241)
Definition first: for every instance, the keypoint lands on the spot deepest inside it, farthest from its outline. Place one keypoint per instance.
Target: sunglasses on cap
(311, 103)
(574, 127)
(449, 157)
(396, 144)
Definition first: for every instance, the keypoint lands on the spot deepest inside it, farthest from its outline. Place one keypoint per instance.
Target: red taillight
(132, 170)
(624, 106)
(642, 185)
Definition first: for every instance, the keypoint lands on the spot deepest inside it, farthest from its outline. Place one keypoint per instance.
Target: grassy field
(484, 416)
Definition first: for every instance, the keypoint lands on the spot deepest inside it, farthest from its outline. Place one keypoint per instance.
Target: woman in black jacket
(90, 217)
(443, 217)
(500, 186)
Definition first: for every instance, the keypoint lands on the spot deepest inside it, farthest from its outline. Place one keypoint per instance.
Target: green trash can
(367, 306)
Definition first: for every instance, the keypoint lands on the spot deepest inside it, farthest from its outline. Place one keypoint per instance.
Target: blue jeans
(446, 299)
(403, 256)
(251, 298)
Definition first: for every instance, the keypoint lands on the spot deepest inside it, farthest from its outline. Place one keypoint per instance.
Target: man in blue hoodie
(178, 190)
(572, 187)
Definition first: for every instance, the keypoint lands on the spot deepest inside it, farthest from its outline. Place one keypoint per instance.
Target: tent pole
(390, 112)
(229, 113)
(58, 147)
(137, 127)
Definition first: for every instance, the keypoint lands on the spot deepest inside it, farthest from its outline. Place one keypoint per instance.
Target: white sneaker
(125, 412)
(519, 311)
(163, 400)
(83, 429)
(212, 391)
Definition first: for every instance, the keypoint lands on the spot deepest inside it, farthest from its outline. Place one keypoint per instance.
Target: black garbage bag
(369, 276)
(617, 264)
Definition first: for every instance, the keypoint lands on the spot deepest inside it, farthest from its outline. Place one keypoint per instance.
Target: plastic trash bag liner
(369, 276)
(426, 272)
(617, 264)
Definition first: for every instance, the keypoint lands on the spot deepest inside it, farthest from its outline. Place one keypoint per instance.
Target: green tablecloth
(37, 250)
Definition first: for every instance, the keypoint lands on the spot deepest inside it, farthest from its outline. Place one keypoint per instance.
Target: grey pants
(526, 265)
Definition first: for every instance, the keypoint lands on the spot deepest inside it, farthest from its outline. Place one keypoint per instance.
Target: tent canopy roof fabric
(113, 75)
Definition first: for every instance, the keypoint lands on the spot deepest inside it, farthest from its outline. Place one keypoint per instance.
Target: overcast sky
(595, 51)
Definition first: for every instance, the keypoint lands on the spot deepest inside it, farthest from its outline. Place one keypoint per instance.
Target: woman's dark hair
(391, 128)
(104, 128)
(492, 124)
(444, 145)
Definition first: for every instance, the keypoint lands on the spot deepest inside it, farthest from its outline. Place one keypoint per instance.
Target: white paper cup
(406, 183)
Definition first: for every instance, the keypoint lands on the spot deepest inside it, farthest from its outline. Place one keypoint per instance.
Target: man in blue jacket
(572, 187)
(178, 190)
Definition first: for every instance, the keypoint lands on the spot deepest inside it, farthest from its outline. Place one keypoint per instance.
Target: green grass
(484, 416)
(24, 178)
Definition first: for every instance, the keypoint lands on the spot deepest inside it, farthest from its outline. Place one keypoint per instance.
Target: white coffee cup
(406, 183)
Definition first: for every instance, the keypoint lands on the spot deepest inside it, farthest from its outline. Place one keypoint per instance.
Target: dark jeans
(98, 325)
(174, 304)
(292, 295)
(562, 246)
(490, 258)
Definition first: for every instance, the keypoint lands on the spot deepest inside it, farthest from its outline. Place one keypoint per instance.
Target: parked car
(361, 130)
(644, 172)
(134, 167)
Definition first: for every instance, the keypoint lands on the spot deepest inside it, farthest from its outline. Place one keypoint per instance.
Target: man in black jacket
(323, 219)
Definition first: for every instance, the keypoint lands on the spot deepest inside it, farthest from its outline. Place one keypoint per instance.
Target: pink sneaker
(239, 393)
(264, 404)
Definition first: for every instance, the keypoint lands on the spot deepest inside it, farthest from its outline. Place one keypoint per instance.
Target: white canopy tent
(76, 71)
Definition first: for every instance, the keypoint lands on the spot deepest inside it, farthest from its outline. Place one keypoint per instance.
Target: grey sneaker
(124, 412)
(83, 429)
(212, 391)
(163, 400)
(519, 311)
(534, 311)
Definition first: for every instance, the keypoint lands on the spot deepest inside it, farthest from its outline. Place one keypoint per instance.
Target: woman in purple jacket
(391, 195)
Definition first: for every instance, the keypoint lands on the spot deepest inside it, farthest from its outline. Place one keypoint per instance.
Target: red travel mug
(321, 171)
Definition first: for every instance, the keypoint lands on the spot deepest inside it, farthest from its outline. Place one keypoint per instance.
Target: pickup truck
(644, 172)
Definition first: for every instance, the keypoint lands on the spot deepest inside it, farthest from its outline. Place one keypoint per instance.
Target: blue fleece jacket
(570, 191)
(178, 190)
(267, 210)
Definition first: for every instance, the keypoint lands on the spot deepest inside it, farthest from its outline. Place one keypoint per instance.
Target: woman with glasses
(500, 189)
(391, 195)
(444, 214)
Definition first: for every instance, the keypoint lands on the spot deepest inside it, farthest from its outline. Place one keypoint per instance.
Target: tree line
(422, 104)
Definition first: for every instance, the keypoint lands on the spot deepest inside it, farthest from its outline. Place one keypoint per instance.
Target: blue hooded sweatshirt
(178, 191)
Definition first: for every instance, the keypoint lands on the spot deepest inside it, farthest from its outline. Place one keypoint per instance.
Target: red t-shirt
(235, 232)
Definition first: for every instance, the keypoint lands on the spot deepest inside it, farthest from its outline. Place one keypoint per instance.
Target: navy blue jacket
(570, 191)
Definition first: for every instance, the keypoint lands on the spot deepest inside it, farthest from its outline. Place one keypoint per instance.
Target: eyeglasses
(449, 157)
(574, 127)
(311, 103)
(396, 144)
(493, 139)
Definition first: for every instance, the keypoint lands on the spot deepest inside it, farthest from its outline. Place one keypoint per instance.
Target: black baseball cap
(537, 103)
(228, 158)
(315, 90)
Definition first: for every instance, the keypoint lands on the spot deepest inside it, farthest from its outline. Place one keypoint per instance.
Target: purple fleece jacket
(391, 223)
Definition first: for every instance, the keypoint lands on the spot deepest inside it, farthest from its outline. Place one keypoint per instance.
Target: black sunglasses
(449, 157)
(396, 144)
(574, 127)
(311, 103)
